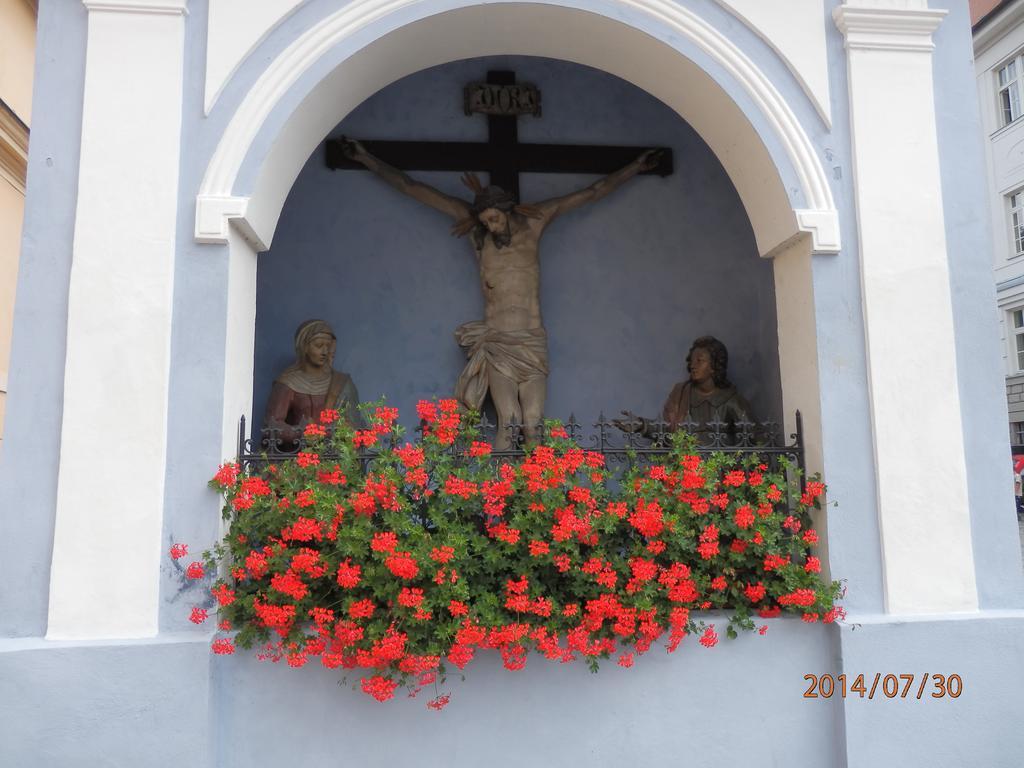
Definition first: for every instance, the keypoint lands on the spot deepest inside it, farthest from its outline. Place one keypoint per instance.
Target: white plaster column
(798, 356)
(915, 402)
(239, 339)
(110, 494)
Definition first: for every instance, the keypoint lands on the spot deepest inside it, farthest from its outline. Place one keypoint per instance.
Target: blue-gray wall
(31, 446)
(170, 703)
(626, 284)
(979, 359)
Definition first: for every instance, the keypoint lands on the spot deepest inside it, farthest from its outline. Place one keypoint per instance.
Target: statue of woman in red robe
(308, 386)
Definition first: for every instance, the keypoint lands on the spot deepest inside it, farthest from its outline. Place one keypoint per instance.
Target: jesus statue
(507, 351)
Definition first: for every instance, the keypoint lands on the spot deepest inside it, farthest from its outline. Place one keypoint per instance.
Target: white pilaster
(107, 543)
(915, 402)
(239, 342)
(798, 356)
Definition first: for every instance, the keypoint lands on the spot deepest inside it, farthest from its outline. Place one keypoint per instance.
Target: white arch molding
(538, 28)
(394, 38)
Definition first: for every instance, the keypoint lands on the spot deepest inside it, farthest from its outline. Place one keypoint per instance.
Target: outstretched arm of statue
(457, 209)
(601, 188)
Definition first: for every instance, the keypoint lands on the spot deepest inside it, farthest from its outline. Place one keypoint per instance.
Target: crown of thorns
(493, 197)
(489, 197)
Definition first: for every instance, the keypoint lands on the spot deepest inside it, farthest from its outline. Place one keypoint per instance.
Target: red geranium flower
(195, 570)
(361, 609)
(710, 638)
(224, 595)
(402, 565)
(439, 703)
(381, 688)
(348, 575)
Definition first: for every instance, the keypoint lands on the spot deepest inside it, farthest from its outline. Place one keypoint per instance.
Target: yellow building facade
(17, 57)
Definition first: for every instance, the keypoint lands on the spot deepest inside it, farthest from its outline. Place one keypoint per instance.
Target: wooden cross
(502, 157)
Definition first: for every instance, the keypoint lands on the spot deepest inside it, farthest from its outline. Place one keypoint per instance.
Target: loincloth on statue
(516, 355)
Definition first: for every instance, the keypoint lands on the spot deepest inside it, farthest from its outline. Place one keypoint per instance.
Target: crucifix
(502, 157)
(506, 351)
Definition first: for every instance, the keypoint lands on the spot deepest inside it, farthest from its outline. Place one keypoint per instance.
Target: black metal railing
(622, 442)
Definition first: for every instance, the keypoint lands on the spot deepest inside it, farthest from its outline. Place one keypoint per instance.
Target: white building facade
(167, 138)
(998, 45)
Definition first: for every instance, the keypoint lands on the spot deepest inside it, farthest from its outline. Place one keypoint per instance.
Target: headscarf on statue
(329, 382)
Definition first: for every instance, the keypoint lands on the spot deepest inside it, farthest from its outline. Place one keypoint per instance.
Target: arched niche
(348, 56)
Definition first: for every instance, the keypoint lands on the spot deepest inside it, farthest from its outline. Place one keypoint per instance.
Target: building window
(1017, 433)
(1017, 221)
(1017, 323)
(1009, 89)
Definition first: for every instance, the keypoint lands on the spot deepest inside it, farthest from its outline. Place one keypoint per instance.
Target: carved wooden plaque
(493, 99)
